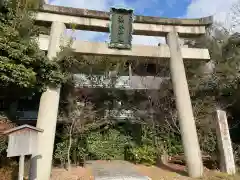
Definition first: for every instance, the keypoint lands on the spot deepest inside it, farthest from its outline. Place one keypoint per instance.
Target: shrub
(61, 152)
(145, 154)
(107, 146)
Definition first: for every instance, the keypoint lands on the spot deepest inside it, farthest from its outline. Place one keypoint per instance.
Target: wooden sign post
(22, 141)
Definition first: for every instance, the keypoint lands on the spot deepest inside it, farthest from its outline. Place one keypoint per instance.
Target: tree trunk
(70, 146)
(68, 153)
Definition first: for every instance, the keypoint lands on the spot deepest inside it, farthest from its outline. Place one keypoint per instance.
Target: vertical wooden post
(184, 107)
(33, 167)
(21, 168)
(227, 163)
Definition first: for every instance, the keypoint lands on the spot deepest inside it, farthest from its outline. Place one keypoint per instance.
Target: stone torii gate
(61, 17)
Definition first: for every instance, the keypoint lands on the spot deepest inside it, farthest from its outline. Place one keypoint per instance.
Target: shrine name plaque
(121, 28)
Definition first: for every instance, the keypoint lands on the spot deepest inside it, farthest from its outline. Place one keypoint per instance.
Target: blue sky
(220, 9)
(167, 8)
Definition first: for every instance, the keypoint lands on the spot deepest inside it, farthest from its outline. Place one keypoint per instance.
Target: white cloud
(104, 5)
(220, 9)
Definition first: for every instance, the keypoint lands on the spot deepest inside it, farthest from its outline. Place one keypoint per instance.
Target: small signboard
(22, 140)
(121, 28)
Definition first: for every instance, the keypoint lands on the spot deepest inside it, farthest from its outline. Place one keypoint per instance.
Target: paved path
(115, 170)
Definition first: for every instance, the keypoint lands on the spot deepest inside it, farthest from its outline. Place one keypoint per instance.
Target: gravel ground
(169, 172)
(98, 169)
(76, 173)
(116, 170)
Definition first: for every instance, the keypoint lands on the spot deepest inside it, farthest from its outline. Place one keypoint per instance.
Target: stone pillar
(184, 107)
(48, 110)
(224, 143)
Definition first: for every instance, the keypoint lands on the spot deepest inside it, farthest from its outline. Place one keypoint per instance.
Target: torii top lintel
(206, 21)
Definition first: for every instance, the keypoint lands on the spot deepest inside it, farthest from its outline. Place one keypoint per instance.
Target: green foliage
(22, 63)
(171, 143)
(81, 152)
(117, 143)
(145, 154)
(222, 82)
(61, 151)
(208, 141)
(3, 145)
(107, 146)
(236, 152)
(155, 143)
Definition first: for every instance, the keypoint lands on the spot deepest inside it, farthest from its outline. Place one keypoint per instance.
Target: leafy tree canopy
(222, 79)
(22, 64)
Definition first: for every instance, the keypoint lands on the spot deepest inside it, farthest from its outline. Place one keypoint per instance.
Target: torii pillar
(47, 114)
(184, 107)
